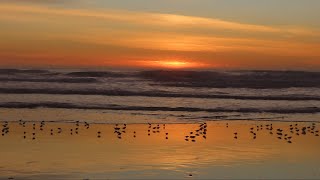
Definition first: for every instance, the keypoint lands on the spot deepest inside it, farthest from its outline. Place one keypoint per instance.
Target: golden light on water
(110, 156)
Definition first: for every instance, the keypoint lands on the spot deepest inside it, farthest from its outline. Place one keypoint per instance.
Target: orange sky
(36, 34)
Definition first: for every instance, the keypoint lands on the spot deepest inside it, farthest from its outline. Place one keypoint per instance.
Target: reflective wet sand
(223, 149)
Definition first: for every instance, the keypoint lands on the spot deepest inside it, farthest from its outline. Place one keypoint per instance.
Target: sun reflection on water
(157, 148)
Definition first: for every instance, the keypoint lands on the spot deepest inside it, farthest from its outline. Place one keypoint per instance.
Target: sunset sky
(204, 34)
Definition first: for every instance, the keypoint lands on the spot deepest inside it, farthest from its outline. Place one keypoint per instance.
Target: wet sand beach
(170, 89)
(206, 150)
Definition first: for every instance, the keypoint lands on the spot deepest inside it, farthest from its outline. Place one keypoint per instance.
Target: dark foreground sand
(219, 149)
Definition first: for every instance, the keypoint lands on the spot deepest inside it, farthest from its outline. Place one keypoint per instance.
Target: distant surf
(215, 79)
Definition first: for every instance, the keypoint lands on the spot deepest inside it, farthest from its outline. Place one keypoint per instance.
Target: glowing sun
(173, 64)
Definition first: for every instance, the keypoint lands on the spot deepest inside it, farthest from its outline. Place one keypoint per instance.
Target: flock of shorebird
(202, 131)
(292, 130)
(120, 129)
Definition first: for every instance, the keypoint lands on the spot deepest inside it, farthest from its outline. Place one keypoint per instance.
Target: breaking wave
(235, 79)
(308, 110)
(52, 80)
(151, 94)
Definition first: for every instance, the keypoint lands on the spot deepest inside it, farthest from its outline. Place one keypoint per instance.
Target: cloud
(158, 19)
(40, 1)
(97, 36)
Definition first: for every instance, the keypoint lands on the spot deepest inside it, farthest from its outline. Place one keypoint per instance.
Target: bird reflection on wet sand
(79, 141)
(285, 132)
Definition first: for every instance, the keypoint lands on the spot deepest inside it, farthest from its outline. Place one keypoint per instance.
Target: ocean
(94, 124)
(158, 95)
